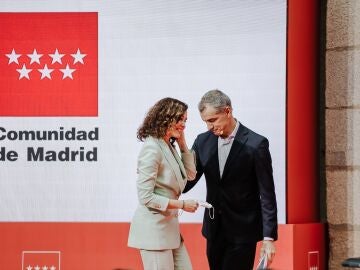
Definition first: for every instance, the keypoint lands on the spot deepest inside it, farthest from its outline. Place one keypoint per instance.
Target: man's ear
(228, 111)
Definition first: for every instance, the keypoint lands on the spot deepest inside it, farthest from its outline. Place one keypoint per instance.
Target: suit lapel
(238, 143)
(174, 164)
(180, 163)
(213, 161)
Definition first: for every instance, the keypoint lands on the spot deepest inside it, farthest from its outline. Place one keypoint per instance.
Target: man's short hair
(216, 99)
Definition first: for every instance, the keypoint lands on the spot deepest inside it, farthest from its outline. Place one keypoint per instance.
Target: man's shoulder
(256, 135)
(205, 136)
(253, 136)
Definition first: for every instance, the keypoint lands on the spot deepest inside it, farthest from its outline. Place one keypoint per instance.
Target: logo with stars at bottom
(41, 260)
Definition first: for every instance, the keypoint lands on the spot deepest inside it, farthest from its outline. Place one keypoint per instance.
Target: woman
(162, 175)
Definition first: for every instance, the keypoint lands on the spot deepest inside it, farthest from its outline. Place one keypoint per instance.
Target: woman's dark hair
(160, 116)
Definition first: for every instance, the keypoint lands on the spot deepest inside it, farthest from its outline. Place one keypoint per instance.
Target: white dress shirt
(224, 146)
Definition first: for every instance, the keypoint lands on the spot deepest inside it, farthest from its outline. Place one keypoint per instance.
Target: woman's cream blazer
(162, 175)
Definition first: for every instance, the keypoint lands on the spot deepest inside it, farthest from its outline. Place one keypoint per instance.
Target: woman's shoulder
(150, 148)
(152, 142)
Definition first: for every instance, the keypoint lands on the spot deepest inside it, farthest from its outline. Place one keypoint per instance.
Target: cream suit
(162, 175)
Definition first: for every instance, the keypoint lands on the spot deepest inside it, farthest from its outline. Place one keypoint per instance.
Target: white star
(67, 72)
(37, 268)
(45, 72)
(35, 57)
(13, 57)
(52, 268)
(78, 57)
(45, 267)
(24, 72)
(56, 57)
(29, 268)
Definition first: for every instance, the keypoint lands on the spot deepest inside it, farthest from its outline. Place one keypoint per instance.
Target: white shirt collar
(231, 137)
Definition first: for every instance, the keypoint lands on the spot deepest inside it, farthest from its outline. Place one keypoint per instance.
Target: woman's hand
(182, 142)
(190, 205)
(186, 205)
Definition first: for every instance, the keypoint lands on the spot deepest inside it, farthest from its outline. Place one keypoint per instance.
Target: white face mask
(209, 207)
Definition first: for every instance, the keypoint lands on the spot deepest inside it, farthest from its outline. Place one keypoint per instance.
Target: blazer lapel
(174, 164)
(238, 143)
(180, 163)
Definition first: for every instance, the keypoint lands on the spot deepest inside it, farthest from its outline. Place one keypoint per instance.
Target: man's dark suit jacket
(244, 198)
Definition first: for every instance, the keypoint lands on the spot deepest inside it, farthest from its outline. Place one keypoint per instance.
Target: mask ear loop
(212, 212)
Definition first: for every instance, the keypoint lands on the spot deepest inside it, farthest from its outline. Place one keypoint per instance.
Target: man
(237, 166)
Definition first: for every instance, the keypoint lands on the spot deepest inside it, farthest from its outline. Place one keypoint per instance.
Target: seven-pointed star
(45, 72)
(35, 57)
(78, 57)
(56, 57)
(13, 57)
(24, 72)
(67, 72)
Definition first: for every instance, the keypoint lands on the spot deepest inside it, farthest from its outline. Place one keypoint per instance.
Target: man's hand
(268, 249)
